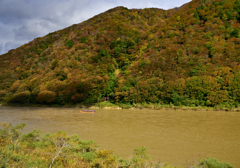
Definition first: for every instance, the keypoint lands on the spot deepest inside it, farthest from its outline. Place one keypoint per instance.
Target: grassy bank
(61, 150)
(109, 105)
(141, 106)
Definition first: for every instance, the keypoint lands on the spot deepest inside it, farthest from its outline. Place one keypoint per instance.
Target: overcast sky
(23, 20)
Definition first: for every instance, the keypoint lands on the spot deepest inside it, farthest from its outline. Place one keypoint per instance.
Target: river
(171, 136)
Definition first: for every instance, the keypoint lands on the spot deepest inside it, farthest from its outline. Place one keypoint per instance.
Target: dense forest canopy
(184, 56)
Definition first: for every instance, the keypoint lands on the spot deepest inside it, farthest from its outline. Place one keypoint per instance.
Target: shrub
(214, 163)
(69, 43)
(2, 93)
(177, 99)
(235, 33)
(141, 157)
(126, 106)
(14, 86)
(107, 104)
(32, 136)
(34, 95)
(142, 64)
(21, 97)
(89, 156)
(46, 97)
(83, 39)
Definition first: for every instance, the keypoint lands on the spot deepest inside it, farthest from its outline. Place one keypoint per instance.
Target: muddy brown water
(174, 137)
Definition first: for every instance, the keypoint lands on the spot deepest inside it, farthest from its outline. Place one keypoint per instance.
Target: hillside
(185, 56)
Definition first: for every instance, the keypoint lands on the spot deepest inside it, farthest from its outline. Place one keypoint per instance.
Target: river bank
(152, 106)
(143, 106)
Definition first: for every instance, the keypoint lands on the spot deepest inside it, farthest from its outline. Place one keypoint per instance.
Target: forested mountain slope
(185, 56)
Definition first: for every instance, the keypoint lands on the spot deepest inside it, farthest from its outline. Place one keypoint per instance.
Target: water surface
(174, 137)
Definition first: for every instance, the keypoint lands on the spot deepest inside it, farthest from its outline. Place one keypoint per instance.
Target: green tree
(235, 33)
(69, 43)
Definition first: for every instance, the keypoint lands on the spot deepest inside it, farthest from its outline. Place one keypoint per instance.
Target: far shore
(107, 105)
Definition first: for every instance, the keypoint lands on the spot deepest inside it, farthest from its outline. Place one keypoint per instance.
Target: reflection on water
(171, 136)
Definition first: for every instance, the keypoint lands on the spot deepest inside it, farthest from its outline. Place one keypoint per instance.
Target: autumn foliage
(184, 56)
(46, 97)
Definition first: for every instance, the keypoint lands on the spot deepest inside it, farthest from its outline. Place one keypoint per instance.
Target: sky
(21, 21)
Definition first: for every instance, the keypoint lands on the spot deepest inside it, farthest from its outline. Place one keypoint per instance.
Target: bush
(177, 99)
(89, 156)
(192, 102)
(69, 43)
(2, 93)
(106, 104)
(21, 97)
(46, 97)
(83, 39)
(126, 106)
(34, 95)
(141, 157)
(214, 163)
(235, 33)
(15, 86)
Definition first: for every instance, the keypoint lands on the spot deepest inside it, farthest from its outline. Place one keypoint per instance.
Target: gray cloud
(23, 20)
